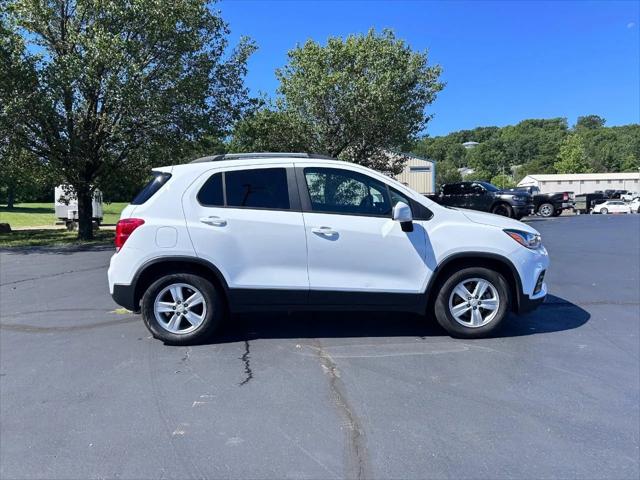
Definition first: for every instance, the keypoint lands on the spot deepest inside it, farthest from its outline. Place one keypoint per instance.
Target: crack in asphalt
(183, 454)
(71, 328)
(246, 359)
(52, 275)
(358, 462)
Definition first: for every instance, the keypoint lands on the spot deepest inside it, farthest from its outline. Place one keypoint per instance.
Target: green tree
(446, 172)
(503, 181)
(572, 157)
(359, 96)
(22, 175)
(590, 122)
(110, 83)
(270, 130)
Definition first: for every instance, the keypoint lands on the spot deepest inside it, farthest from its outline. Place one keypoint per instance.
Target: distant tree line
(505, 155)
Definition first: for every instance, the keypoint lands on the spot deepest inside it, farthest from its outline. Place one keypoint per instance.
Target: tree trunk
(11, 196)
(85, 214)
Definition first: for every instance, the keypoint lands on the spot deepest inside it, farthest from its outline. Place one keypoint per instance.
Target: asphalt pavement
(85, 392)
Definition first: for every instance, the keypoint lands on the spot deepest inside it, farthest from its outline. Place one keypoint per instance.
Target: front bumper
(528, 304)
(523, 210)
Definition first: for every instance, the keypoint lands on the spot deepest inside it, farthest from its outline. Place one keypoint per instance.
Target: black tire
(215, 309)
(446, 319)
(546, 210)
(604, 211)
(557, 213)
(503, 209)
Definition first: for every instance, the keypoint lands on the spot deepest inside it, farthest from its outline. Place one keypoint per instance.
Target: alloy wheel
(546, 210)
(180, 308)
(474, 302)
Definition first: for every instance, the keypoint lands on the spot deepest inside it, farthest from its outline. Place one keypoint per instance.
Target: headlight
(526, 239)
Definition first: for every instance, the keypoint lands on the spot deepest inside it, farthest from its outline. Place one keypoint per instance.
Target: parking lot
(85, 392)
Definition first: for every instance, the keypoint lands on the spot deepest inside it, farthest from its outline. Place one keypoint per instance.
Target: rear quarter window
(158, 179)
(211, 194)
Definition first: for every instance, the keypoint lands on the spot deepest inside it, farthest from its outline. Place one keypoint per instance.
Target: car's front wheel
(472, 303)
(503, 209)
(181, 309)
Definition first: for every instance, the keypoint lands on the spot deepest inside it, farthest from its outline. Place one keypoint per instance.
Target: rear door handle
(214, 221)
(327, 231)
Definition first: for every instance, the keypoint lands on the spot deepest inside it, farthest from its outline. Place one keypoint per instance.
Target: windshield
(489, 186)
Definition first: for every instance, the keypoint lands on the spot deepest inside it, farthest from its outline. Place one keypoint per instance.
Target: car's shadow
(555, 315)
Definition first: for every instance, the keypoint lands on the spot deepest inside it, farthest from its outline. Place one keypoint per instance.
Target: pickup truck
(548, 204)
(485, 197)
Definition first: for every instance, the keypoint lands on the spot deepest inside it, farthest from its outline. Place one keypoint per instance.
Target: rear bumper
(124, 295)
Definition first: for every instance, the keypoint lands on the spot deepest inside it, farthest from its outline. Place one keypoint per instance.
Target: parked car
(611, 206)
(249, 232)
(629, 196)
(485, 197)
(614, 194)
(634, 205)
(548, 204)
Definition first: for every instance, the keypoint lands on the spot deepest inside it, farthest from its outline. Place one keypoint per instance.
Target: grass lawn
(39, 238)
(41, 214)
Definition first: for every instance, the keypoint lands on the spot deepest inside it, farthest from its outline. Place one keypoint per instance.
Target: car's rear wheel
(503, 209)
(183, 308)
(472, 303)
(604, 211)
(546, 210)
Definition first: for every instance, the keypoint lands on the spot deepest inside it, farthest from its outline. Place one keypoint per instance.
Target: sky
(503, 61)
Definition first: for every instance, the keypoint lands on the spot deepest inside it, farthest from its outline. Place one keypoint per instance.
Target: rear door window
(158, 179)
(452, 189)
(257, 188)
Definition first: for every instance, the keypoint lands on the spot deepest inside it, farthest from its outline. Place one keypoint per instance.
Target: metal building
(418, 174)
(583, 182)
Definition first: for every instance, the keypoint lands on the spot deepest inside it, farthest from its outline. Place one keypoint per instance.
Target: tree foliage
(104, 86)
(572, 157)
(538, 146)
(351, 98)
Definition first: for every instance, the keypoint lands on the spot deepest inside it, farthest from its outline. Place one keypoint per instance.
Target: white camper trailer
(66, 206)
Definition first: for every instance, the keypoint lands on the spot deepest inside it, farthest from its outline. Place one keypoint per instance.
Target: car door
(452, 195)
(355, 250)
(247, 222)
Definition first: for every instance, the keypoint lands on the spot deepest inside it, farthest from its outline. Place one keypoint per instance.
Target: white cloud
(631, 24)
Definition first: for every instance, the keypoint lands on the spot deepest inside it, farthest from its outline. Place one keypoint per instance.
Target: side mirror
(402, 214)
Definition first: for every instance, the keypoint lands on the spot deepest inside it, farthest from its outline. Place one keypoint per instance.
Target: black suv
(485, 197)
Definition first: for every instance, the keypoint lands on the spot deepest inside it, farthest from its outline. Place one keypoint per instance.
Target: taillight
(124, 228)
(565, 196)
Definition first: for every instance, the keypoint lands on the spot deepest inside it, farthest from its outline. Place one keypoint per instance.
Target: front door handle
(214, 221)
(326, 231)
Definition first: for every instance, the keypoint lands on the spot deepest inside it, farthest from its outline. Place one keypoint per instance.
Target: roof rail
(252, 156)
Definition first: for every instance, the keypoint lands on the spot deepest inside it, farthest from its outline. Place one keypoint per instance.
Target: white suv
(252, 232)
